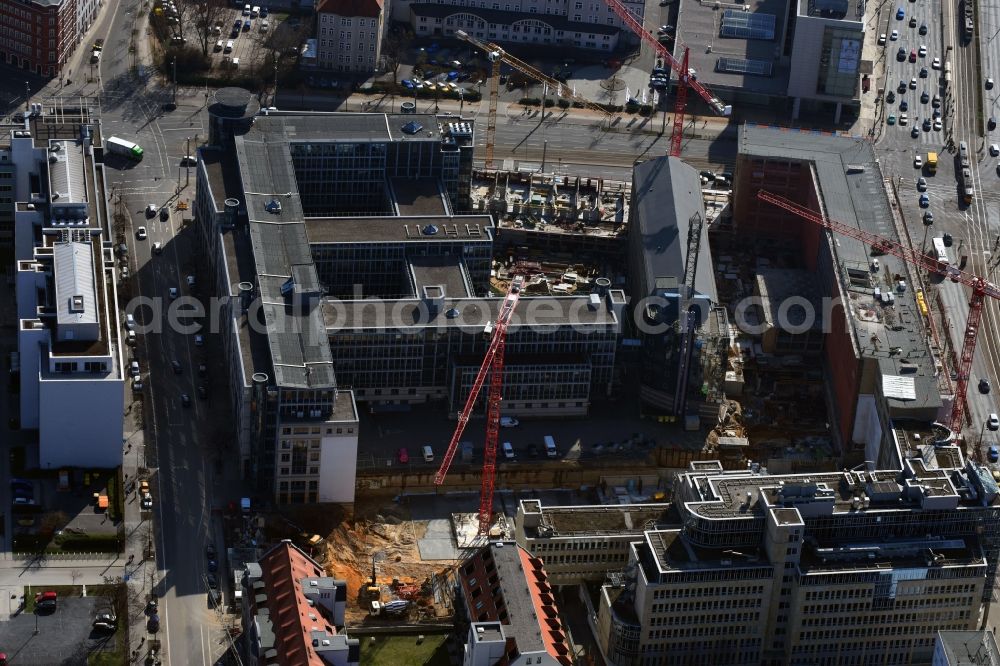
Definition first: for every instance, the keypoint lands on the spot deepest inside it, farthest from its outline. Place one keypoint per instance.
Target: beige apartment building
(849, 568)
(349, 35)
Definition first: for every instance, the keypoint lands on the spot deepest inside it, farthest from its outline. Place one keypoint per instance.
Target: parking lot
(612, 430)
(65, 636)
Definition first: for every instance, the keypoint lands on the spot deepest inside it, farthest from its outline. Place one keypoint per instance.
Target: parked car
(509, 422)
(994, 453)
(210, 551)
(403, 455)
(984, 386)
(46, 601)
(151, 210)
(153, 623)
(993, 423)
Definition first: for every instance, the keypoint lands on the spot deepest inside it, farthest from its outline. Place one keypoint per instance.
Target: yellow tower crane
(496, 55)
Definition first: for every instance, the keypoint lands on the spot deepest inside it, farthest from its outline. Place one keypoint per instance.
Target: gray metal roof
(859, 199)
(67, 183)
(666, 194)
(76, 291)
(296, 337)
(288, 283)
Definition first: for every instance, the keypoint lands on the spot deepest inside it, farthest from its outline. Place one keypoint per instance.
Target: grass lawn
(61, 590)
(396, 650)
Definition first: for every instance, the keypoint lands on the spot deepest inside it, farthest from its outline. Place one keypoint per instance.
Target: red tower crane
(684, 78)
(492, 366)
(980, 287)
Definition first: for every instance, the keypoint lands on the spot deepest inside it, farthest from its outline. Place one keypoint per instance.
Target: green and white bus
(122, 147)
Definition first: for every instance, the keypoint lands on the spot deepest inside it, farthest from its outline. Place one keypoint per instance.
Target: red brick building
(38, 35)
(510, 610)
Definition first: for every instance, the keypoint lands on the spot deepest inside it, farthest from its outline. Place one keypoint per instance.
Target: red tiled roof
(367, 8)
(281, 570)
(551, 628)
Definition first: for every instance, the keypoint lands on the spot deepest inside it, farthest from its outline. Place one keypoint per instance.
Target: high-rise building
(846, 568)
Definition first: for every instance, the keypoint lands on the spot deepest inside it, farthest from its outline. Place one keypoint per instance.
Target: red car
(403, 455)
(913, 55)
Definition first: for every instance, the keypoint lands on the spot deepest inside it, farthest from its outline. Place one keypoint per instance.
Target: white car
(913, 84)
(936, 63)
(994, 149)
(922, 51)
(151, 210)
(509, 422)
(903, 119)
(140, 233)
(894, 35)
(989, 84)
(157, 248)
(173, 292)
(918, 162)
(993, 423)
(199, 340)
(881, 39)
(937, 125)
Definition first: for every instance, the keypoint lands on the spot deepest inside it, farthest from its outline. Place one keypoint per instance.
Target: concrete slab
(439, 541)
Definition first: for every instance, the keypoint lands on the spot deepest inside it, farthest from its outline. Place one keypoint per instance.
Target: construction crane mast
(981, 289)
(496, 55)
(492, 366)
(684, 78)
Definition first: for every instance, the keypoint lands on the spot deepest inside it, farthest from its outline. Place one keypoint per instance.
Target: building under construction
(833, 326)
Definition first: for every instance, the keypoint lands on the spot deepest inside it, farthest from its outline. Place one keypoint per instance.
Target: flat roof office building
(853, 567)
(348, 272)
(71, 346)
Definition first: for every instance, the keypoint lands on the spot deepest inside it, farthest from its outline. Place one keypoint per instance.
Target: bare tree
(394, 48)
(207, 15)
(184, 9)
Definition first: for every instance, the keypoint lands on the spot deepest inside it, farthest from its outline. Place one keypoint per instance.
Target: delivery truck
(120, 146)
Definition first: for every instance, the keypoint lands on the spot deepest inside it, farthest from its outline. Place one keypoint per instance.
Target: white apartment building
(70, 344)
(588, 24)
(349, 35)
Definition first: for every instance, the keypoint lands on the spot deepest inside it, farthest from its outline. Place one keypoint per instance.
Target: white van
(130, 322)
(236, 63)
(550, 447)
(229, 46)
(255, 12)
(428, 454)
(218, 46)
(508, 451)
